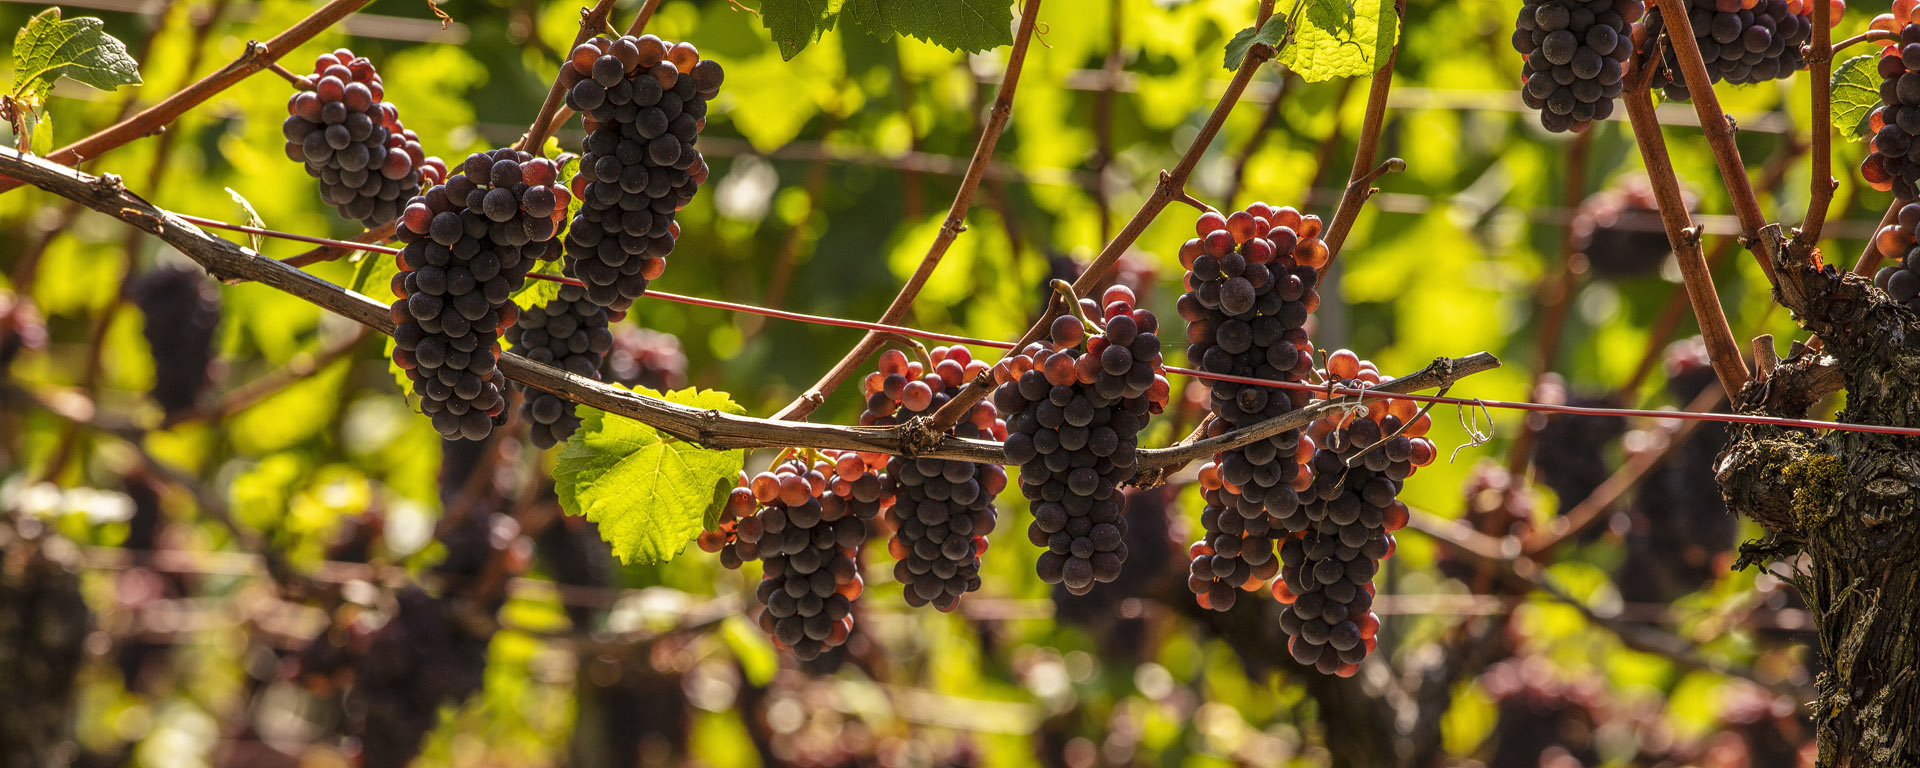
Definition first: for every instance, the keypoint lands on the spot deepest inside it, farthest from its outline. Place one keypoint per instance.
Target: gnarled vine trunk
(1848, 502)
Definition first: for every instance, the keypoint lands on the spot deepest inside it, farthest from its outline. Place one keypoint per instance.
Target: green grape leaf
(1856, 91)
(49, 48)
(650, 492)
(960, 25)
(538, 292)
(1338, 38)
(795, 24)
(1269, 33)
(253, 218)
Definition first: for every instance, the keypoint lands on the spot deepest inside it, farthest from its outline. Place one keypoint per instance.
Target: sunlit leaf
(1856, 91)
(961, 25)
(49, 48)
(795, 24)
(1269, 33)
(1337, 38)
(649, 492)
(253, 216)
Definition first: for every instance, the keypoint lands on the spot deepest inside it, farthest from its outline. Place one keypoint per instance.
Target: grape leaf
(49, 48)
(1269, 33)
(795, 23)
(537, 293)
(253, 217)
(651, 493)
(960, 25)
(1856, 91)
(1338, 38)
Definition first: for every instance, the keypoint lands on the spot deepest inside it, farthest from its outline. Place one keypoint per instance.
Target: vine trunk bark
(1842, 508)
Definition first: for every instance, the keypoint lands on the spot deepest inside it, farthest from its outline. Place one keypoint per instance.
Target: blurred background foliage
(831, 174)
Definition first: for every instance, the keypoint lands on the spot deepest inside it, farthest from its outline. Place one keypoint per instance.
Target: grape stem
(1189, 199)
(302, 83)
(155, 119)
(1065, 290)
(549, 118)
(1870, 35)
(1376, 116)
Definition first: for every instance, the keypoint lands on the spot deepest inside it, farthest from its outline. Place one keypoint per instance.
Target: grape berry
(1742, 41)
(569, 333)
(349, 138)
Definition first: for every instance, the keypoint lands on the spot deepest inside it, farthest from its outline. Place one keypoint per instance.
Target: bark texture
(1847, 502)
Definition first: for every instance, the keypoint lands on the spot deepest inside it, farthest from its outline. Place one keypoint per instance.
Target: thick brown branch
(155, 119)
(1719, 131)
(1359, 184)
(956, 223)
(1820, 68)
(1721, 348)
(226, 261)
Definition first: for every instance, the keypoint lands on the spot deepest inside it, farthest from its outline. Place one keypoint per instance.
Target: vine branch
(1360, 180)
(805, 404)
(549, 118)
(155, 119)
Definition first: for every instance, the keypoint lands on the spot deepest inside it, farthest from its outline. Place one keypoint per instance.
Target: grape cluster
(182, 312)
(943, 509)
(807, 533)
(469, 244)
(1900, 278)
(569, 333)
(1570, 449)
(1619, 232)
(1250, 288)
(1893, 164)
(1679, 535)
(1576, 53)
(352, 141)
(1074, 411)
(645, 103)
(642, 357)
(44, 626)
(1345, 526)
(1742, 41)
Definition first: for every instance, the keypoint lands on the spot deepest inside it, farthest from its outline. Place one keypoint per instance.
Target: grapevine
(349, 137)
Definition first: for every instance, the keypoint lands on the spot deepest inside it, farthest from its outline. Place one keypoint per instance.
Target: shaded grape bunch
(1901, 278)
(643, 357)
(1571, 449)
(1074, 411)
(182, 312)
(469, 244)
(645, 103)
(421, 660)
(1541, 715)
(1681, 535)
(1619, 232)
(1250, 288)
(943, 509)
(569, 333)
(349, 138)
(1235, 552)
(1893, 164)
(1576, 53)
(1741, 41)
(1345, 527)
(807, 533)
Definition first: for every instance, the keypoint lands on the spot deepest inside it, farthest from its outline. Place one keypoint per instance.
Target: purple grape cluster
(569, 333)
(1576, 53)
(352, 141)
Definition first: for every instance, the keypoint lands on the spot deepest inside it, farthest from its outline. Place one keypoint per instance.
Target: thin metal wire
(1481, 403)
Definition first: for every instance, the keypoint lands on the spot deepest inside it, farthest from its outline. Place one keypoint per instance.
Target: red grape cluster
(569, 333)
(807, 533)
(182, 313)
(1250, 288)
(1620, 233)
(1742, 41)
(352, 141)
(643, 357)
(1576, 53)
(1074, 411)
(1894, 162)
(1901, 277)
(469, 244)
(943, 509)
(1345, 527)
(645, 103)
